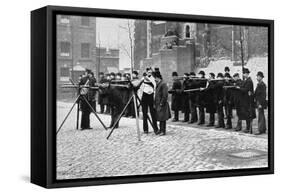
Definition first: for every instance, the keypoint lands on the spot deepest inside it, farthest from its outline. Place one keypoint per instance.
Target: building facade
(107, 60)
(76, 46)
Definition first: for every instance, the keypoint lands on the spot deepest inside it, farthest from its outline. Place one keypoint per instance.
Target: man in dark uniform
(236, 98)
(210, 100)
(260, 96)
(192, 100)
(219, 101)
(176, 96)
(85, 108)
(247, 104)
(200, 102)
(161, 103)
(227, 100)
(185, 98)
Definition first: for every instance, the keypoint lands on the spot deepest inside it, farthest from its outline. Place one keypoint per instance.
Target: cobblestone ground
(185, 148)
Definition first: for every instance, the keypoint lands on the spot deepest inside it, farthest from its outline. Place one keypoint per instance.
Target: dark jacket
(247, 104)
(185, 96)
(260, 95)
(176, 95)
(209, 97)
(163, 112)
(92, 92)
(102, 99)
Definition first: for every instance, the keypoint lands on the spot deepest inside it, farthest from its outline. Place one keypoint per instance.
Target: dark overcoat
(83, 104)
(92, 92)
(247, 104)
(102, 98)
(176, 96)
(185, 96)
(260, 95)
(162, 107)
(209, 97)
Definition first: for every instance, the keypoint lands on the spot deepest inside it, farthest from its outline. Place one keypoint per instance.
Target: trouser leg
(220, 117)
(201, 115)
(176, 117)
(153, 114)
(186, 115)
(211, 119)
(163, 127)
(144, 112)
(261, 121)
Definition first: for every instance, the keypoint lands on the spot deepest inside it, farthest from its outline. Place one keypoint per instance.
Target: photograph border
(43, 101)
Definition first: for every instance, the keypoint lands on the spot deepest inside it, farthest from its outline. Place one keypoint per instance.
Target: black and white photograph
(146, 97)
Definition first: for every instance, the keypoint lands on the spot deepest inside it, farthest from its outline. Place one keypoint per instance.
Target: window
(85, 50)
(187, 31)
(64, 73)
(85, 21)
(65, 49)
(64, 19)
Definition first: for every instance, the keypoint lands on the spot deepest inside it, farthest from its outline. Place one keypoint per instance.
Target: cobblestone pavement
(185, 148)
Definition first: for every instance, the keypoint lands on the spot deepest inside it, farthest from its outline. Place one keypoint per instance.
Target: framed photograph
(126, 96)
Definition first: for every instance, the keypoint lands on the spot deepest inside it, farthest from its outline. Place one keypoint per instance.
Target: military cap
(212, 74)
(260, 74)
(156, 69)
(148, 68)
(174, 73)
(186, 74)
(245, 70)
(157, 74)
(227, 75)
(101, 73)
(135, 72)
(226, 69)
(236, 75)
(201, 73)
(118, 74)
(112, 73)
(220, 75)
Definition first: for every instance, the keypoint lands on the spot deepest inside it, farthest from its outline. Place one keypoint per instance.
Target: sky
(111, 34)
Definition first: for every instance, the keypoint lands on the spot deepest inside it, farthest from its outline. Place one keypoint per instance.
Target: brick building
(76, 46)
(107, 60)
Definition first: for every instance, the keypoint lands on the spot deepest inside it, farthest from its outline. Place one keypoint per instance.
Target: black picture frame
(43, 96)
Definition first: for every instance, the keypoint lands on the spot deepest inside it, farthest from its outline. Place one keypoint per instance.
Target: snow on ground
(254, 64)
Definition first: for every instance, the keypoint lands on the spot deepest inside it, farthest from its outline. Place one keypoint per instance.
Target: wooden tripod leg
(119, 117)
(77, 118)
(94, 112)
(67, 114)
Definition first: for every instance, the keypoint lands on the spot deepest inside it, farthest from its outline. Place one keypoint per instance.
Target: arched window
(187, 31)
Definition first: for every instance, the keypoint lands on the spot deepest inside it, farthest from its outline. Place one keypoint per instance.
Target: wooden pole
(134, 95)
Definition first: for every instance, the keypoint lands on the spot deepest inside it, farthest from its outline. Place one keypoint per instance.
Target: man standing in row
(260, 95)
(176, 96)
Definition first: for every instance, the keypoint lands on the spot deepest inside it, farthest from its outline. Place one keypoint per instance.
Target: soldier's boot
(186, 117)
(239, 125)
(228, 123)
(211, 120)
(176, 118)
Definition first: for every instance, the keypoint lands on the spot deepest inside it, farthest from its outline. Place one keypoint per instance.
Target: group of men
(193, 95)
(220, 95)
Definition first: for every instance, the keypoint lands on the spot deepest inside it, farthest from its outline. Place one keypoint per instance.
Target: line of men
(195, 96)
(191, 95)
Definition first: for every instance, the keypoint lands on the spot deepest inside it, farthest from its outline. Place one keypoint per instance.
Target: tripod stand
(135, 99)
(80, 97)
